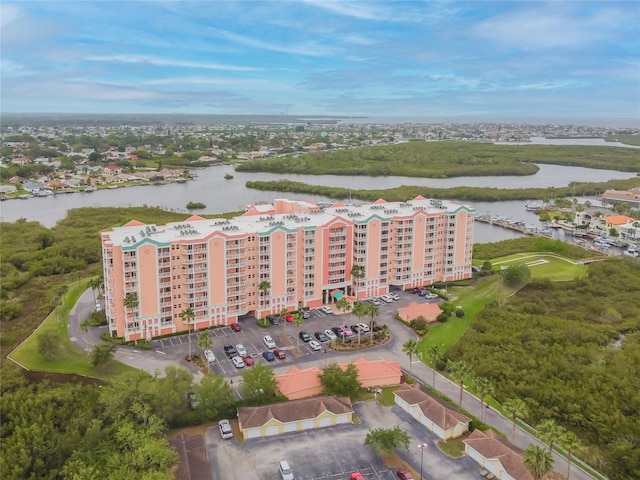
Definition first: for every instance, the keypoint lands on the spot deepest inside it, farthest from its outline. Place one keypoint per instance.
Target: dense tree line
(447, 159)
(480, 194)
(553, 345)
(489, 251)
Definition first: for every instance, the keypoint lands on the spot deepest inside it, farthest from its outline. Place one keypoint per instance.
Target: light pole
(422, 446)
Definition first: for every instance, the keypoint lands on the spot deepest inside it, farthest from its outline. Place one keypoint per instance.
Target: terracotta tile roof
(371, 369)
(292, 411)
(492, 446)
(429, 311)
(432, 407)
(295, 380)
(133, 223)
(194, 463)
(618, 219)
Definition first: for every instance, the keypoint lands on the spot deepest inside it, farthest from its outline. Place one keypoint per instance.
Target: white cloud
(307, 49)
(350, 9)
(167, 62)
(9, 68)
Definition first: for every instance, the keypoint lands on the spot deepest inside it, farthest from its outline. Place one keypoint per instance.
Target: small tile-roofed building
(294, 416)
(299, 383)
(497, 456)
(432, 412)
(429, 311)
(194, 461)
(630, 197)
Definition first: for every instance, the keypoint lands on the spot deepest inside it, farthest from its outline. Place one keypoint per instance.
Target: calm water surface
(222, 195)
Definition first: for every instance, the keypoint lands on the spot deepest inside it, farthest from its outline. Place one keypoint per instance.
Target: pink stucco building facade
(305, 251)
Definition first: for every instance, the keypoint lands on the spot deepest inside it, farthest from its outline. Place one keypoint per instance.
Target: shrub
(459, 313)
(419, 323)
(443, 317)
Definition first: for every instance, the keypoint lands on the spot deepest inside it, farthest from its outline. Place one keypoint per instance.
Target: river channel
(221, 195)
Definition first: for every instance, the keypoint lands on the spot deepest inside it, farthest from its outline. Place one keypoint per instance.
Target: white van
(285, 470)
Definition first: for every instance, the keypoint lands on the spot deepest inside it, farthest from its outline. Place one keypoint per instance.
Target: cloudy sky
(484, 59)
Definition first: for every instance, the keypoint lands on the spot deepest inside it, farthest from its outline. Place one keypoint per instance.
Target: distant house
(630, 197)
(33, 187)
(112, 169)
(294, 416)
(20, 160)
(497, 456)
(432, 412)
(615, 221)
(429, 311)
(7, 189)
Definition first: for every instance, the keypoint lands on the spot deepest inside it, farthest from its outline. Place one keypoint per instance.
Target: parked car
(326, 310)
(415, 290)
(268, 341)
(315, 345)
(237, 362)
(241, 350)
(98, 307)
(330, 335)
(208, 354)
(280, 354)
(235, 327)
(395, 296)
(346, 330)
(356, 476)
(338, 332)
(230, 351)
(376, 302)
(274, 319)
(387, 298)
(431, 296)
(321, 337)
(248, 361)
(289, 318)
(306, 315)
(364, 328)
(422, 292)
(304, 336)
(285, 470)
(225, 429)
(268, 356)
(404, 474)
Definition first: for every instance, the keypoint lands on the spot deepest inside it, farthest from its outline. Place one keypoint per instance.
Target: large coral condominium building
(285, 255)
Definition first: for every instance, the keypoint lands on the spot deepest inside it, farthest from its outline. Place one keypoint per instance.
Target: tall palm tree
(84, 326)
(357, 273)
(484, 388)
(298, 320)
(410, 347)
(514, 408)
(459, 372)
(436, 352)
(130, 301)
(188, 316)
(360, 310)
(571, 444)
(538, 461)
(372, 311)
(549, 432)
(264, 286)
(204, 342)
(93, 284)
(283, 313)
(343, 304)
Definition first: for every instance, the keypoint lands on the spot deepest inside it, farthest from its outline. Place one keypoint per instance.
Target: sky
(481, 59)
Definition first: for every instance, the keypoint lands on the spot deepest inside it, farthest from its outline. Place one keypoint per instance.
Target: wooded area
(571, 351)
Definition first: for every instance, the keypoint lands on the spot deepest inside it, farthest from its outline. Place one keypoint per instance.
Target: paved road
(155, 362)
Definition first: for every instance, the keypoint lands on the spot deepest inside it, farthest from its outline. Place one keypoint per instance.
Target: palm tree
(571, 444)
(410, 347)
(283, 313)
(360, 310)
(343, 304)
(459, 372)
(93, 284)
(188, 316)
(549, 432)
(538, 461)
(131, 301)
(298, 320)
(264, 287)
(372, 311)
(357, 273)
(484, 388)
(204, 342)
(84, 326)
(436, 352)
(514, 408)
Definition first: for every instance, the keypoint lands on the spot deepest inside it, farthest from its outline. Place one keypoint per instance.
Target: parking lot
(334, 453)
(284, 335)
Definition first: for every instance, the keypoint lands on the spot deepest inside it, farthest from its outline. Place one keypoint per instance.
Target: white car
(431, 296)
(208, 354)
(330, 335)
(326, 310)
(241, 350)
(98, 307)
(237, 362)
(387, 298)
(395, 296)
(364, 328)
(268, 342)
(225, 429)
(315, 345)
(376, 302)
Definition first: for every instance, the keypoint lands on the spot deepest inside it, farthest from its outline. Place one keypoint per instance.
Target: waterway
(221, 195)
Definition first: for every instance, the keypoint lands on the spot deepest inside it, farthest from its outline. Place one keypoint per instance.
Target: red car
(289, 318)
(404, 474)
(235, 327)
(356, 476)
(248, 361)
(280, 354)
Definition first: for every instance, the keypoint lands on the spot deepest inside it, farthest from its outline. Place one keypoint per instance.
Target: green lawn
(453, 448)
(553, 267)
(71, 359)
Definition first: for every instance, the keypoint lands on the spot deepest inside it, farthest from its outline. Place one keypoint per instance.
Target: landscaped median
(69, 359)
